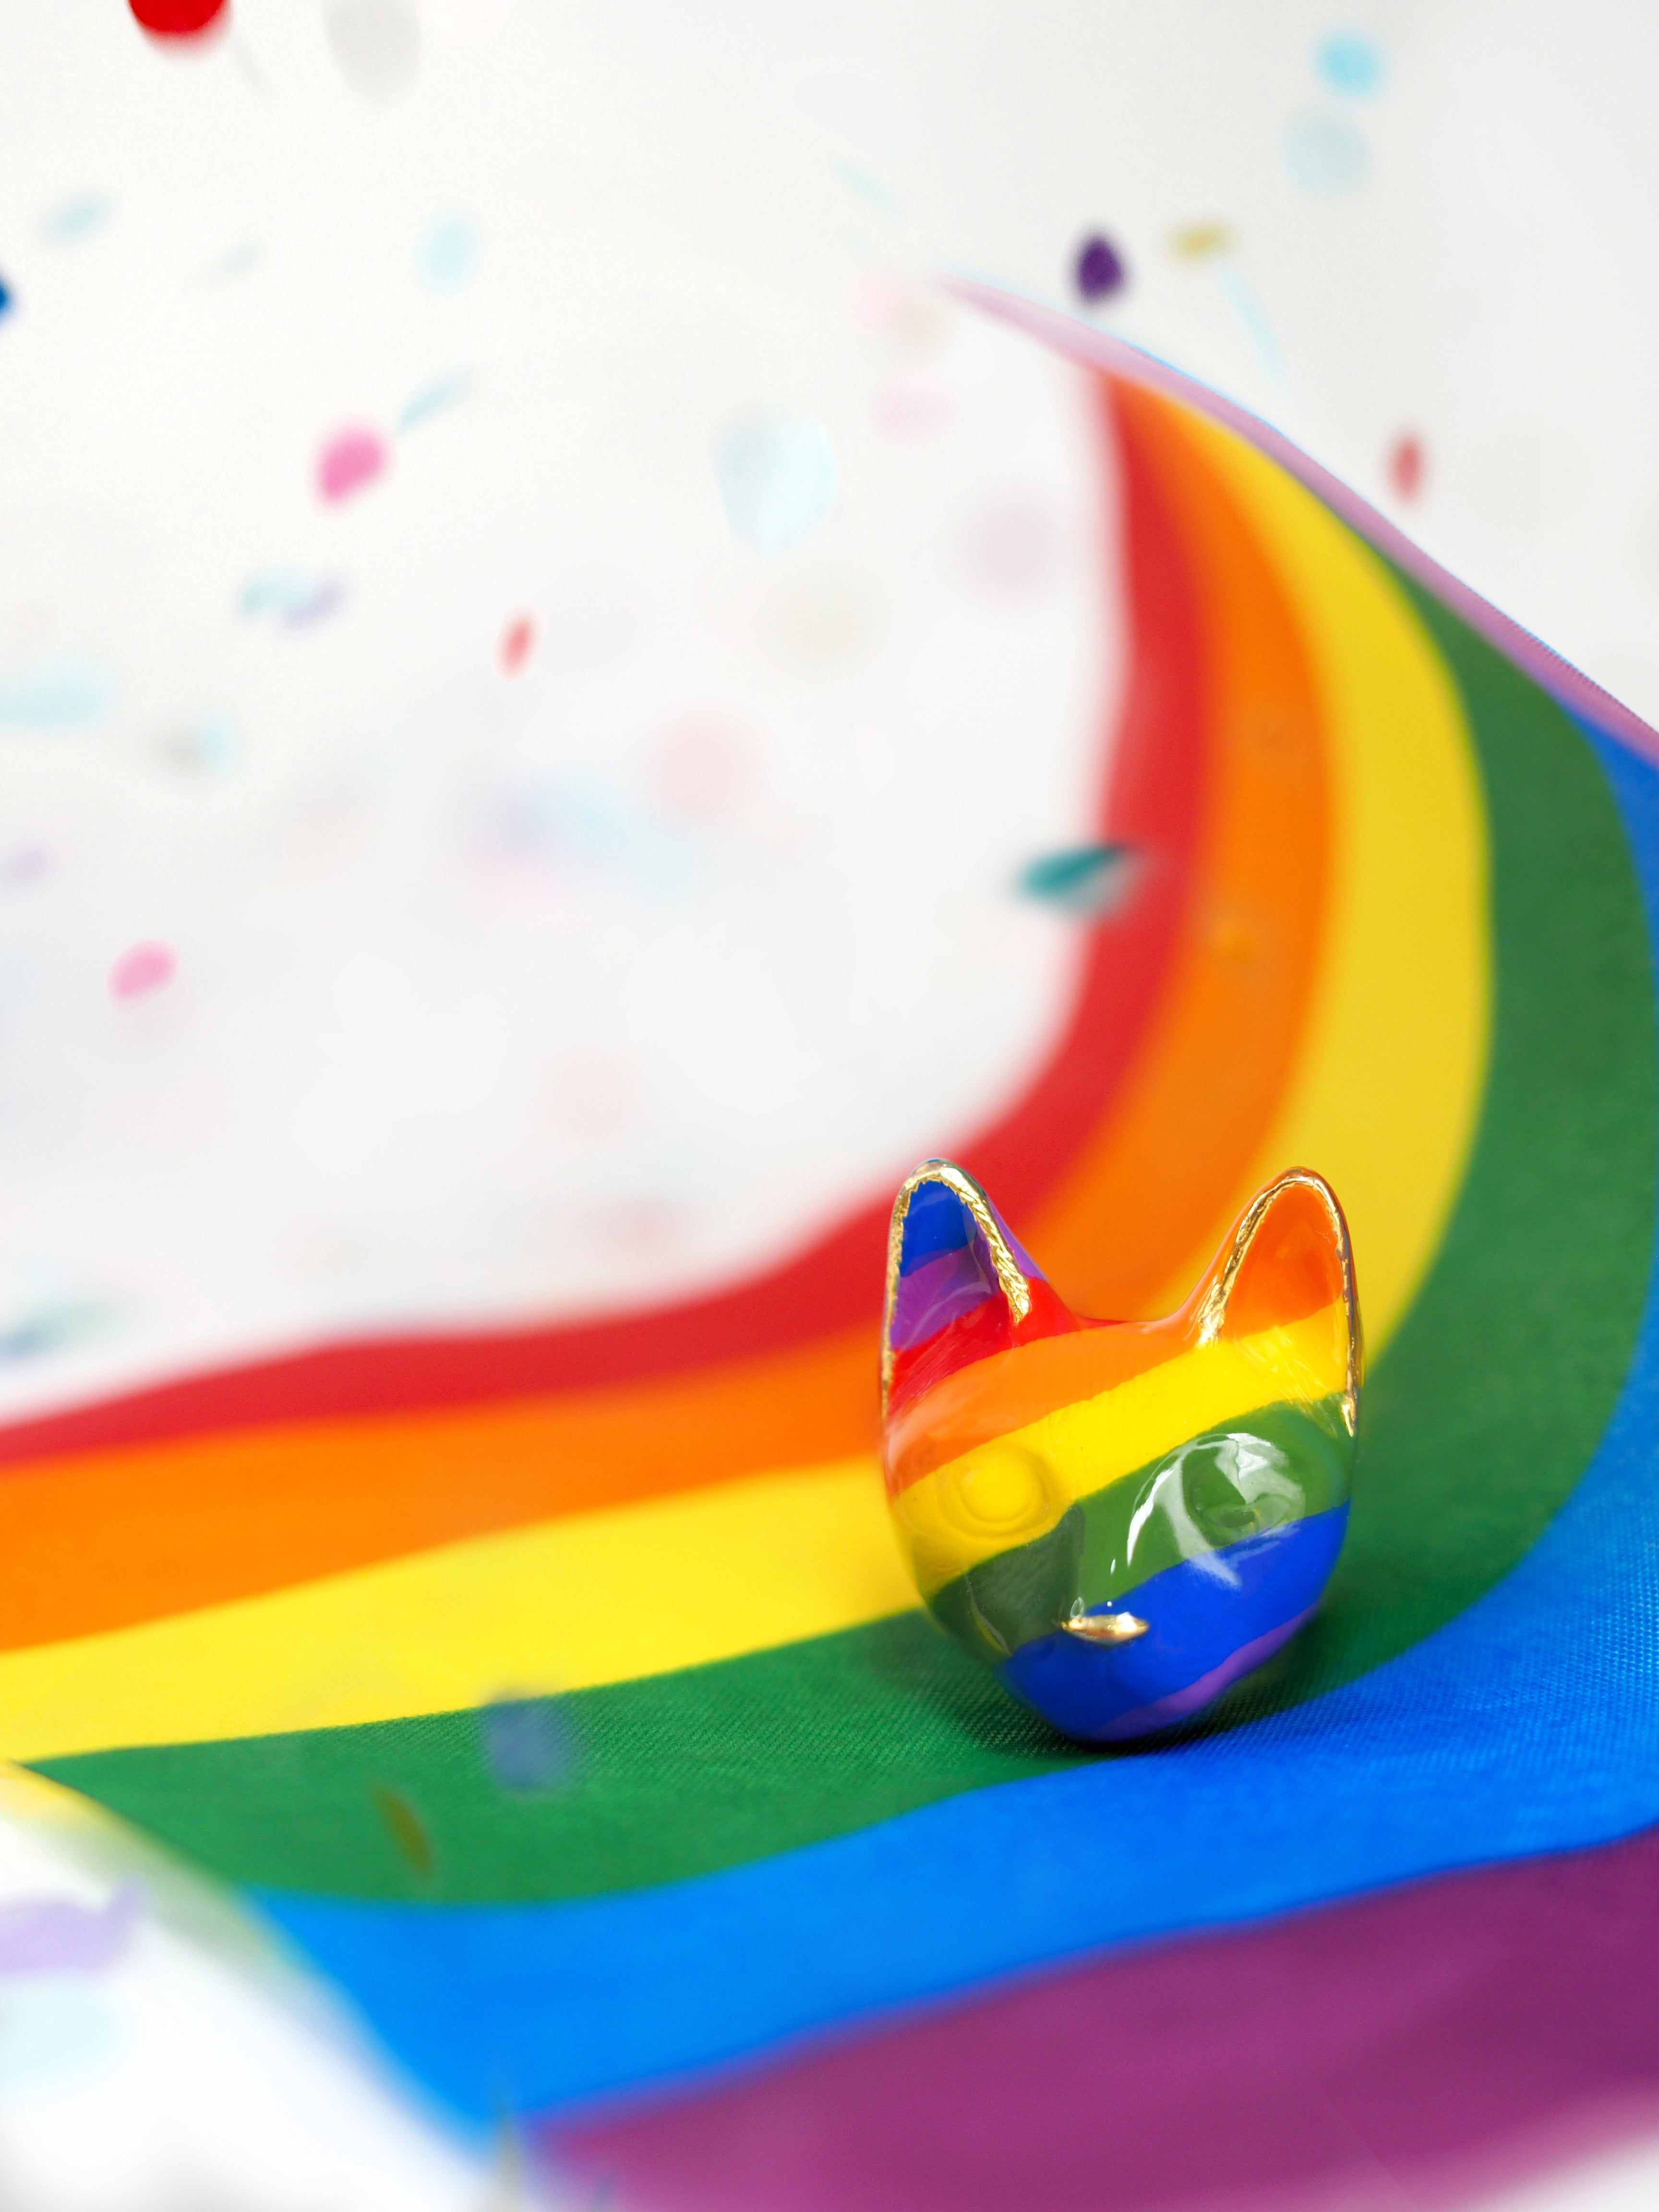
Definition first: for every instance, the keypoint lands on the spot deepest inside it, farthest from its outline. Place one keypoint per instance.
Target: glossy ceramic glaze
(1120, 1518)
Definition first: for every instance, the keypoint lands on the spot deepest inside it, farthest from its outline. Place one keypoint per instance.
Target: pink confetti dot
(1405, 467)
(516, 640)
(145, 968)
(350, 460)
(701, 769)
(907, 410)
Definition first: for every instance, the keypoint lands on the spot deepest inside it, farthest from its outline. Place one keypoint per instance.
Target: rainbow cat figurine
(1120, 1518)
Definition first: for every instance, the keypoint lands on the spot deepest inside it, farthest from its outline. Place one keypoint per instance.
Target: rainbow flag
(561, 1694)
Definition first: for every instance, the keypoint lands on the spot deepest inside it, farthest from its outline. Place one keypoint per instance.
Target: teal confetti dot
(1087, 881)
(75, 219)
(54, 693)
(436, 398)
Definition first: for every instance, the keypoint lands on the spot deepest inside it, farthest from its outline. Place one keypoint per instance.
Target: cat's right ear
(1288, 1257)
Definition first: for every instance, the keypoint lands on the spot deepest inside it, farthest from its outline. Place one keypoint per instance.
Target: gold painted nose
(1105, 1627)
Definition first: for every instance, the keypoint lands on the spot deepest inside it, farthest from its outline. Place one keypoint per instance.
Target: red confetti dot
(177, 19)
(1405, 467)
(516, 640)
(145, 968)
(350, 460)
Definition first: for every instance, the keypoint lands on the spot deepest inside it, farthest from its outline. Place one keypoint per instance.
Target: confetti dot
(912, 318)
(777, 479)
(1405, 467)
(1325, 156)
(54, 1935)
(24, 865)
(868, 188)
(1088, 881)
(54, 693)
(905, 408)
(407, 1829)
(146, 967)
(237, 263)
(1248, 308)
(526, 1746)
(701, 769)
(350, 460)
(436, 398)
(1200, 241)
(1013, 544)
(376, 45)
(1350, 64)
(639, 1230)
(178, 19)
(448, 255)
(292, 599)
(517, 639)
(195, 749)
(44, 1331)
(75, 219)
(1098, 270)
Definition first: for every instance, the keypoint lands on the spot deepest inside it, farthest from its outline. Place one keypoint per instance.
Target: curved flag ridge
(1390, 919)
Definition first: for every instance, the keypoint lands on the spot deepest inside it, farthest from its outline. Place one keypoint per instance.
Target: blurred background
(520, 590)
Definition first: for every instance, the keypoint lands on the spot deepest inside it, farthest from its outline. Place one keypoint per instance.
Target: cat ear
(958, 1286)
(1288, 1259)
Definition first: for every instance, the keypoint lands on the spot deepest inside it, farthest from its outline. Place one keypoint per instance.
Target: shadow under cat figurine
(1121, 1518)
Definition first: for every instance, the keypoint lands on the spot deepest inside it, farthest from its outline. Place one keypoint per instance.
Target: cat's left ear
(1289, 1258)
(958, 1286)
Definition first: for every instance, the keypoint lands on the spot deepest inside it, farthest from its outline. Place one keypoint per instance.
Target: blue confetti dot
(777, 478)
(526, 1746)
(1350, 64)
(1326, 156)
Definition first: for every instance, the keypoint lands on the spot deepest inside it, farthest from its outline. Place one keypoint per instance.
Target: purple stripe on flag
(1420, 2046)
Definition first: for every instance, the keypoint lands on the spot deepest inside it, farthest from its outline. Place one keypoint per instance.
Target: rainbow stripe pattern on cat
(1121, 1519)
(815, 1915)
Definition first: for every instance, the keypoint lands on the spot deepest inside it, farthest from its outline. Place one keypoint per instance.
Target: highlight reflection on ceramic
(1121, 1518)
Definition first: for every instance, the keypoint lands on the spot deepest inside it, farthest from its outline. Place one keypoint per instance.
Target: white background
(555, 991)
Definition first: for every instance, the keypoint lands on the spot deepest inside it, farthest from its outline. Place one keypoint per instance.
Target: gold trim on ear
(1012, 1283)
(1212, 1313)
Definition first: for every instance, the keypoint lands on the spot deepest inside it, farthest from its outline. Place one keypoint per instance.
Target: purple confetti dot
(1099, 270)
(48, 1935)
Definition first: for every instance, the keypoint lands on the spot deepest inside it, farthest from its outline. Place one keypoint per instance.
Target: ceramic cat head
(1121, 1518)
